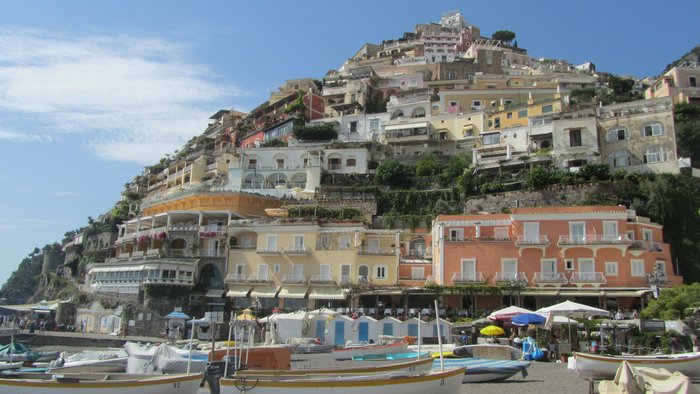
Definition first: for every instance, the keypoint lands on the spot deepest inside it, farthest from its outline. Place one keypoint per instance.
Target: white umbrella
(507, 313)
(570, 309)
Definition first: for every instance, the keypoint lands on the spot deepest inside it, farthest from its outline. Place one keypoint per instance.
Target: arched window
(418, 112)
(397, 114)
(417, 247)
(362, 273)
(652, 129)
(617, 134)
(620, 158)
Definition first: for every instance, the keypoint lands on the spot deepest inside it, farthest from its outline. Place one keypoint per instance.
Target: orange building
(604, 256)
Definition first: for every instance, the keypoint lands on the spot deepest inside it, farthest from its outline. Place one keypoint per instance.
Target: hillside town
(275, 209)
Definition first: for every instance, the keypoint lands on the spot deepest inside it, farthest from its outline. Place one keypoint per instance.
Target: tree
(315, 132)
(673, 301)
(687, 119)
(393, 173)
(428, 165)
(505, 36)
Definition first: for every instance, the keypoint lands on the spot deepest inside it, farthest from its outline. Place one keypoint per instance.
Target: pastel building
(602, 255)
(681, 84)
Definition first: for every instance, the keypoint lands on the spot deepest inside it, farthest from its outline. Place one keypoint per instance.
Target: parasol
(492, 330)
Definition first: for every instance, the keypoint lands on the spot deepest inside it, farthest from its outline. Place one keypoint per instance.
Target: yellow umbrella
(492, 330)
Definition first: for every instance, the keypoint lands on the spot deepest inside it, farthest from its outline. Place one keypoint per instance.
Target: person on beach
(552, 346)
(82, 327)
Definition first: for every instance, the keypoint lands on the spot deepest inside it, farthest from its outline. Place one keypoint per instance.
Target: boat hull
(595, 366)
(349, 352)
(447, 382)
(101, 384)
(416, 366)
(485, 370)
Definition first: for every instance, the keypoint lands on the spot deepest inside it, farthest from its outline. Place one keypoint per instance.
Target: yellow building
(296, 265)
(517, 115)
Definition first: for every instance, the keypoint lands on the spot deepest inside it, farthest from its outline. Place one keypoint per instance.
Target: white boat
(423, 365)
(32, 383)
(348, 352)
(111, 360)
(435, 382)
(604, 367)
(163, 358)
(7, 365)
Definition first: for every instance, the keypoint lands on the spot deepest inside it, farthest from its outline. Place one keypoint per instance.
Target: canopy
(177, 315)
(572, 309)
(507, 313)
(492, 330)
(528, 318)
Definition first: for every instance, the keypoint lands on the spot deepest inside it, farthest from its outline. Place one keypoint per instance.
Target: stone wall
(557, 195)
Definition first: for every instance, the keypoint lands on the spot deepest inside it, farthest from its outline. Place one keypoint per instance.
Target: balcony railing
(516, 278)
(588, 277)
(321, 279)
(460, 239)
(268, 250)
(236, 278)
(250, 246)
(344, 280)
(211, 253)
(534, 240)
(258, 279)
(549, 277)
(646, 245)
(594, 239)
(468, 277)
(374, 251)
(294, 279)
(299, 249)
(657, 278)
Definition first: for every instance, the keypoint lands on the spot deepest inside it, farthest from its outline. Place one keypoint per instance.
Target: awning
(406, 126)
(293, 292)
(215, 293)
(239, 291)
(327, 293)
(264, 291)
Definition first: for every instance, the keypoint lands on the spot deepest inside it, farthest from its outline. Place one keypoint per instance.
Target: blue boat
(485, 370)
(389, 357)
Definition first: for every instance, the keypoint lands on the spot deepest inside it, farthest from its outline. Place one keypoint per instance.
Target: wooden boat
(347, 353)
(16, 351)
(485, 370)
(32, 383)
(392, 356)
(422, 365)
(260, 357)
(604, 367)
(434, 382)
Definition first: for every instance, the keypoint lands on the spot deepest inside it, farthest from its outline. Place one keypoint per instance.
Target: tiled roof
(487, 216)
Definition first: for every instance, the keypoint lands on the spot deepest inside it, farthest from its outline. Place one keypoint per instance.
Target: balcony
(322, 279)
(646, 246)
(594, 239)
(512, 278)
(297, 250)
(531, 240)
(294, 279)
(211, 253)
(236, 278)
(588, 278)
(258, 279)
(375, 251)
(268, 250)
(549, 278)
(657, 278)
(468, 277)
(460, 239)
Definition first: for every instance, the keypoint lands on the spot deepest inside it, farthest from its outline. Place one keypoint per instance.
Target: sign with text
(652, 325)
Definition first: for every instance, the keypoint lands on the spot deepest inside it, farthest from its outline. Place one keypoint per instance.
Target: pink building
(606, 256)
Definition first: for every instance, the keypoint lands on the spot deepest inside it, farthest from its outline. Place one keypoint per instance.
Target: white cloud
(135, 98)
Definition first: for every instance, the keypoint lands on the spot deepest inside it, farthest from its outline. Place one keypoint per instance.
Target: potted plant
(565, 357)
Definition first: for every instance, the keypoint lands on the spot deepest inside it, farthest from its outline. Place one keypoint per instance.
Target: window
(577, 231)
(652, 129)
(617, 134)
(490, 139)
(497, 122)
(500, 233)
(252, 163)
(509, 115)
(374, 124)
(353, 127)
(272, 242)
(637, 267)
(569, 264)
(456, 233)
(334, 163)
(350, 163)
(353, 98)
(692, 82)
(547, 108)
(509, 267)
(280, 163)
(380, 272)
(611, 268)
(507, 102)
(344, 242)
(575, 137)
(299, 243)
(620, 158)
(451, 75)
(655, 154)
(522, 113)
(476, 104)
(262, 271)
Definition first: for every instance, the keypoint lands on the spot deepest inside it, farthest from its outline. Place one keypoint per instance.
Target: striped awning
(327, 293)
(293, 292)
(239, 291)
(264, 291)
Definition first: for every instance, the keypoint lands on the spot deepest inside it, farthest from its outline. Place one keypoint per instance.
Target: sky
(91, 92)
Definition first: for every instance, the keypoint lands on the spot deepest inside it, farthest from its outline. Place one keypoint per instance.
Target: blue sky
(92, 91)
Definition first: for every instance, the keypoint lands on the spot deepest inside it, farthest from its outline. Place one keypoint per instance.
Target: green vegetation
(315, 132)
(273, 143)
(687, 119)
(505, 36)
(24, 281)
(673, 302)
(319, 212)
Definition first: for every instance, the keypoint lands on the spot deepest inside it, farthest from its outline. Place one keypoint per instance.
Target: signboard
(652, 325)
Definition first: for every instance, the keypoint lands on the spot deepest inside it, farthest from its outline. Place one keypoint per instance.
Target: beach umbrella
(492, 330)
(177, 315)
(570, 309)
(528, 318)
(507, 313)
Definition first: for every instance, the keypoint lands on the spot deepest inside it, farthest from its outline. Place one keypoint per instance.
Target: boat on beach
(16, 351)
(392, 356)
(434, 382)
(116, 383)
(111, 360)
(348, 352)
(597, 366)
(422, 365)
(486, 362)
